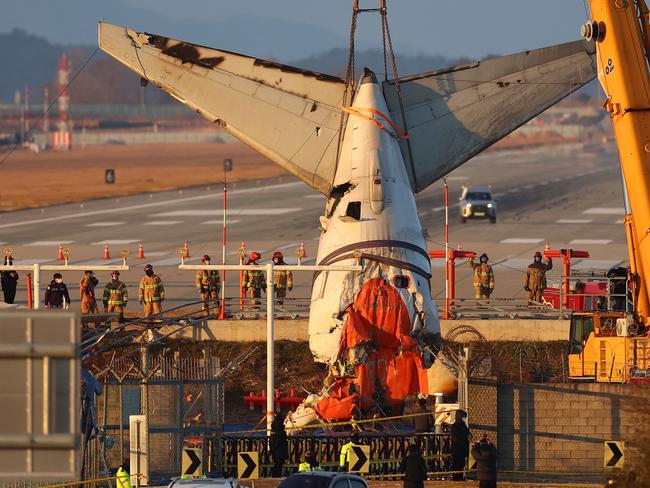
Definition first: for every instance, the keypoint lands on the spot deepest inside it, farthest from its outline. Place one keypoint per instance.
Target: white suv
(476, 202)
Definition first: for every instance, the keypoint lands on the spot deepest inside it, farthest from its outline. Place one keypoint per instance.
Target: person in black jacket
(9, 281)
(485, 454)
(278, 445)
(460, 437)
(56, 294)
(414, 468)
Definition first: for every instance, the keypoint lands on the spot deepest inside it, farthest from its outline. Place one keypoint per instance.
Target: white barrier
(37, 268)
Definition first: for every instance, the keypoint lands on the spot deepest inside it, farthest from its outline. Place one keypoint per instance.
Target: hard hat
(277, 255)
(148, 267)
(254, 256)
(56, 275)
(538, 255)
(205, 258)
(115, 272)
(88, 271)
(484, 258)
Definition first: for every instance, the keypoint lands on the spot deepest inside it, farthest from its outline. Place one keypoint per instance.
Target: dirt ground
(32, 180)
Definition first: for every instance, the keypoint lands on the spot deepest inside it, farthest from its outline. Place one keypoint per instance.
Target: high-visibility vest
(115, 293)
(122, 479)
(282, 279)
(305, 466)
(151, 289)
(344, 458)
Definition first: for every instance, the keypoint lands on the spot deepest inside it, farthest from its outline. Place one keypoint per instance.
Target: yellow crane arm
(620, 29)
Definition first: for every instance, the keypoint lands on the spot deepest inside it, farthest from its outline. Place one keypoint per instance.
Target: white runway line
(113, 242)
(164, 222)
(573, 221)
(48, 243)
(27, 262)
(522, 240)
(605, 211)
(319, 196)
(156, 253)
(104, 224)
(591, 242)
(175, 261)
(220, 222)
(601, 264)
(147, 205)
(238, 212)
(457, 178)
(619, 222)
(528, 187)
(99, 262)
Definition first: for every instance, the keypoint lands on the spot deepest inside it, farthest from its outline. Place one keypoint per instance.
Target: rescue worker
(115, 295)
(254, 281)
(483, 277)
(282, 280)
(151, 292)
(56, 294)
(535, 280)
(87, 286)
(459, 437)
(310, 463)
(208, 282)
(9, 281)
(344, 457)
(278, 445)
(414, 468)
(423, 422)
(485, 454)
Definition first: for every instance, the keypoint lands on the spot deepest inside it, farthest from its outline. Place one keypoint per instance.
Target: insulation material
(377, 355)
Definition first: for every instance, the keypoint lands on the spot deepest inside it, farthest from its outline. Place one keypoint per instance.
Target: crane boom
(620, 29)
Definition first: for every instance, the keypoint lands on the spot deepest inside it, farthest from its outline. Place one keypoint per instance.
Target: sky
(472, 28)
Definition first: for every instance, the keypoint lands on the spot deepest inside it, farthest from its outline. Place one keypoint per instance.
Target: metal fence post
(270, 349)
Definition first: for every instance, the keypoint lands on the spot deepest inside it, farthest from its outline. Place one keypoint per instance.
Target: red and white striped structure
(62, 139)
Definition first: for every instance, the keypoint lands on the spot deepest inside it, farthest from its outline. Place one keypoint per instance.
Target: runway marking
(586, 242)
(457, 178)
(573, 221)
(516, 263)
(104, 224)
(249, 212)
(27, 262)
(220, 222)
(557, 180)
(317, 196)
(596, 264)
(522, 240)
(48, 243)
(605, 211)
(544, 182)
(157, 253)
(112, 242)
(618, 222)
(174, 261)
(164, 222)
(99, 262)
(513, 190)
(528, 187)
(147, 205)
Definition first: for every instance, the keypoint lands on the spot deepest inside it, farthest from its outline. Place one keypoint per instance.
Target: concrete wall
(297, 330)
(554, 427)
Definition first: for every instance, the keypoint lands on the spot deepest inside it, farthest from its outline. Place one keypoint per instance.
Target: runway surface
(559, 195)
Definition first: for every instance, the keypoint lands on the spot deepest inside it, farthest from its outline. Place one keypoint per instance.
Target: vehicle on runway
(368, 145)
(476, 202)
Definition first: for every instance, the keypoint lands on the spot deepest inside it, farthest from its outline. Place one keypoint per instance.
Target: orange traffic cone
(186, 250)
(140, 251)
(59, 255)
(106, 253)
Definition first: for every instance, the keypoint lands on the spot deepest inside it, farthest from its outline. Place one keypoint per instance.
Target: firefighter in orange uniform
(535, 279)
(483, 277)
(208, 282)
(282, 280)
(254, 281)
(151, 292)
(87, 286)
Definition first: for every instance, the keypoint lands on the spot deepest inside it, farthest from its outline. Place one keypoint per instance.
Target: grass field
(33, 180)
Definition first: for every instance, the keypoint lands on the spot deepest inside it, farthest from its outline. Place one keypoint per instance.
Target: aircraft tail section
(291, 116)
(454, 114)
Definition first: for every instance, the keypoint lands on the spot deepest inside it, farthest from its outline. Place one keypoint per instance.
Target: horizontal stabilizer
(453, 114)
(291, 116)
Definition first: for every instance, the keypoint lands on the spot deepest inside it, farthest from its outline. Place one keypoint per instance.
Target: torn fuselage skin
(371, 217)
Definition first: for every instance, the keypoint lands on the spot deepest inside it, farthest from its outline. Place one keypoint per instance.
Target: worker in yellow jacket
(116, 295)
(151, 292)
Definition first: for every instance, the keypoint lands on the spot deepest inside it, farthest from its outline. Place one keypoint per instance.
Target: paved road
(558, 195)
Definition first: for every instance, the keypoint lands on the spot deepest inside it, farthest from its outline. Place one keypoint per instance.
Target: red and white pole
(222, 315)
(447, 261)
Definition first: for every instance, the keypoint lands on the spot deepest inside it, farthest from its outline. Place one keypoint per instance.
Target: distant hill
(32, 61)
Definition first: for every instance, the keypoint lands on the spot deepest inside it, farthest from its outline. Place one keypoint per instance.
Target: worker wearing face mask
(56, 294)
